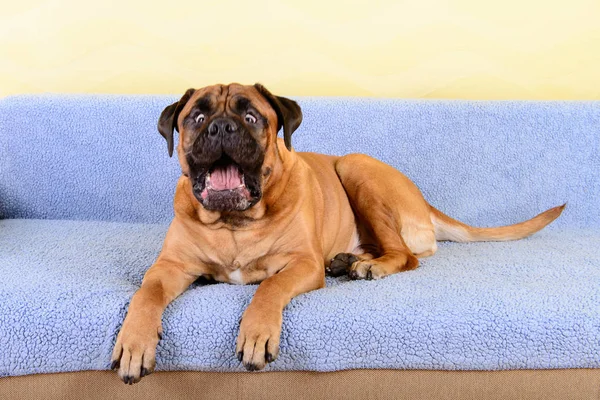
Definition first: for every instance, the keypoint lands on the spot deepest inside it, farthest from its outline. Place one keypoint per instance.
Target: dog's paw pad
(340, 264)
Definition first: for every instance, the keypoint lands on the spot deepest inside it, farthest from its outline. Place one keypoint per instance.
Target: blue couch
(86, 189)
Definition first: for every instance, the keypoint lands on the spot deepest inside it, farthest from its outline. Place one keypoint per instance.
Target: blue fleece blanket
(96, 172)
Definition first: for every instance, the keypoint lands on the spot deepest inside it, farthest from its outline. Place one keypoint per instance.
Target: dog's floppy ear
(168, 119)
(289, 114)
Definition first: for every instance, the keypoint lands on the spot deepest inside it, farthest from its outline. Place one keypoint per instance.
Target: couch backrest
(100, 157)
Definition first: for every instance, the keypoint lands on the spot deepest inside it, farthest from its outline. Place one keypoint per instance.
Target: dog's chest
(237, 259)
(236, 277)
(243, 270)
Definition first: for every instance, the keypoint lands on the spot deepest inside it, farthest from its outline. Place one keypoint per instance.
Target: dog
(249, 209)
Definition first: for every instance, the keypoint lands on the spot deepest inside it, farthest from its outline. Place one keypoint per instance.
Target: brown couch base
(356, 384)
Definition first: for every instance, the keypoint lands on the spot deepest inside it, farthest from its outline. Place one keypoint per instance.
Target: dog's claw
(114, 364)
(251, 367)
(240, 355)
(269, 358)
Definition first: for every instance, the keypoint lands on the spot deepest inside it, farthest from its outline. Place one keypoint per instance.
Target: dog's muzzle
(225, 164)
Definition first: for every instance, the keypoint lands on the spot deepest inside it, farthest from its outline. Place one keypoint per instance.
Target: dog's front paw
(135, 349)
(258, 340)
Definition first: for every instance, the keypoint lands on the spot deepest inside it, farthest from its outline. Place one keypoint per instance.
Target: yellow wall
(480, 49)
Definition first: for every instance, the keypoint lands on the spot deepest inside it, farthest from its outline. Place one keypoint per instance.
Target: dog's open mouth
(225, 175)
(223, 187)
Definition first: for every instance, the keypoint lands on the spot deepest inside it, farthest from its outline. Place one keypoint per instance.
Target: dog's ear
(289, 114)
(168, 119)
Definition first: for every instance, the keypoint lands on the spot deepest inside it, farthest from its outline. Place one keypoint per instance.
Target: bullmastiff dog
(250, 209)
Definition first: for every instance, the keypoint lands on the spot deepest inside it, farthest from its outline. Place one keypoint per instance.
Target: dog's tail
(447, 228)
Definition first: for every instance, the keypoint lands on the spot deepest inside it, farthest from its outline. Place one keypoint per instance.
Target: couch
(86, 190)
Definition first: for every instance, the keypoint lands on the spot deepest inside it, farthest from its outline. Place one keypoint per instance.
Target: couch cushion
(100, 157)
(535, 303)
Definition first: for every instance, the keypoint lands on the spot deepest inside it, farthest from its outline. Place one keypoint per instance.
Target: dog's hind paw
(340, 264)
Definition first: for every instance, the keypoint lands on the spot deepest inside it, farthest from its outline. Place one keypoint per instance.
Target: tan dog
(249, 209)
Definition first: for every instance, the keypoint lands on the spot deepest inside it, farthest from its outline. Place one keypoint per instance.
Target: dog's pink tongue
(223, 178)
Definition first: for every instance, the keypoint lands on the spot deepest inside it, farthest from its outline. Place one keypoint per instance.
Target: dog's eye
(251, 119)
(199, 118)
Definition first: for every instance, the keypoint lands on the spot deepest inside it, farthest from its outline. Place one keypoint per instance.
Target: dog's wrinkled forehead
(255, 105)
(233, 98)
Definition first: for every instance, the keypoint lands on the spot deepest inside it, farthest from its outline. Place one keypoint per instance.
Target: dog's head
(227, 139)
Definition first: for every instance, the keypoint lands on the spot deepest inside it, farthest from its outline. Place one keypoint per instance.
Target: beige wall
(482, 49)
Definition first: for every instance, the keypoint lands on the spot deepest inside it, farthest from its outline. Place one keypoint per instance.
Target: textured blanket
(529, 304)
(96, 172)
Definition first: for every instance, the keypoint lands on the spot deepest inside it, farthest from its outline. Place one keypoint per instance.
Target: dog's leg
(392, 209)
(260, 327)
(395, 255)
(135, 348)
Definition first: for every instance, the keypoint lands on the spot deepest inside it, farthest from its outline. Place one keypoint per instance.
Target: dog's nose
(222, 125)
